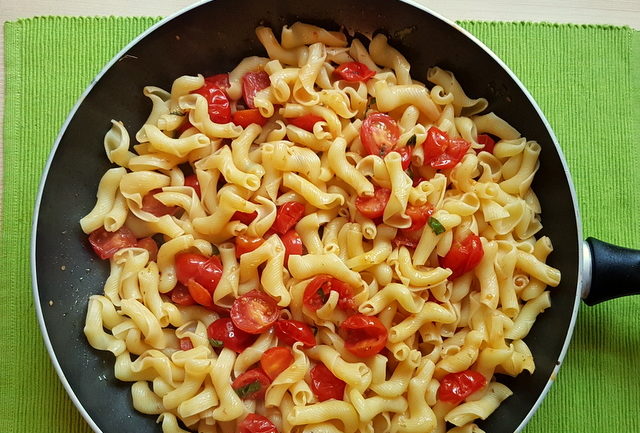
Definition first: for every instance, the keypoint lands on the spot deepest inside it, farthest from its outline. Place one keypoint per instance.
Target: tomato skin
(105, 244)
(406, 153)
(254, 312)
(407, 238)
(254, 423)
(442, 152)
(326, 283)
(287, 216)
(180, 296)
(246, 244)
(186, 344)
(373, 207)
(305, 122)
(192, 181)
(217, 99)
(364, 336)
(251, 376)
(463, 256)
(353, 72)
(379, 134)
(199, 294)
(219, 80)
(455, 387)
(231, 336)
(252, 83)
(150, 245)
(244, 217)
(206, 271)
(292, 245)
(325, 385)
(291, 331)
(488, 141)
(419, 215)
(276, 360)
(154, 206)
(245, 118)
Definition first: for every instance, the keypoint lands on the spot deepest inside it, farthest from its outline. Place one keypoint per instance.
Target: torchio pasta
(315, 241)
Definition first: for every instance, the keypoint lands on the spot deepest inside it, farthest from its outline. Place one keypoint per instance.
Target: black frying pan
(212, 38)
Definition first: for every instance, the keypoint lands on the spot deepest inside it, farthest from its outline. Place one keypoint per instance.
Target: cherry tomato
(180, 295)
(192, 181)
(254, 423)
(405, 156)
(305, 122)
(252, 384)
(455, 387)
(224, 331)
(463, 256)
(217, 99)
(325, 385)
(364, 336)
(318, 290)
(419, 215)
(154, 206)
(252, 83)
(246, 244)
(373, 207)
(417, 180)
(207, 271)
(488, 141)
(408, 238)
(245, 217)
(353, 72)
(186, 344)
(245, 118)
(288, 216)
(199, 294)
(276, 360)
(292, 245)
(442, 152)
(379, 134)
(292, 331)
(105, 244)
(150, 245)
(254, 312)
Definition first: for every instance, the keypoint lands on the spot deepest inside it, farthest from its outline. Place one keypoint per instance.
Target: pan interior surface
(211, 38)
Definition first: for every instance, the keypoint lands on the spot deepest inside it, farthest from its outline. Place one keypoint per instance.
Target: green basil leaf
(215, 343)
(436, 226)
(248, 389)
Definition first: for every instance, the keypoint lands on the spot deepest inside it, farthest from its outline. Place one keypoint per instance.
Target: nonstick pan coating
(212, 38)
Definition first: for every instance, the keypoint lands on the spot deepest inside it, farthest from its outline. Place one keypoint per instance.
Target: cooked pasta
(317, 241)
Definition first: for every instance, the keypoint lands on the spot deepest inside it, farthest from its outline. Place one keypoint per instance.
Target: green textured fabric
(583, 78)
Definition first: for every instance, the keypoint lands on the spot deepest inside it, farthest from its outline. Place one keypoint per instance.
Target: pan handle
(615, 272)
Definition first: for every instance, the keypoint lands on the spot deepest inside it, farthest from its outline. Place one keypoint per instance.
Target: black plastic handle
(615, 272)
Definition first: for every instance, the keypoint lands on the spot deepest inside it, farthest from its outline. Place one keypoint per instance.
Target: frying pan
(210, 38)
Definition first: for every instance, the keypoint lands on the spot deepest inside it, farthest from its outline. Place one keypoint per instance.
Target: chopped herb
(216, 251)
(412, 141)
(215, 343)
(436, 226)
(178, 112)
(248, 389)
(323, 296)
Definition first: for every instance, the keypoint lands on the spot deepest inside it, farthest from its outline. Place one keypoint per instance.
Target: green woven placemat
(583, 78)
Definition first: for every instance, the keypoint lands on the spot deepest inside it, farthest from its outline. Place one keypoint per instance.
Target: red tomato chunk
(455, 387)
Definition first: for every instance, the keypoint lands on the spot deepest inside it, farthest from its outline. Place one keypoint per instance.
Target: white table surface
(617, 12)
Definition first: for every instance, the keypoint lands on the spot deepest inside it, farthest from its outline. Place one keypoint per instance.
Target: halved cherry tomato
(419, 215)
(150, 245)
(254, 312)
(245, 118)
(254, 423)
(105, 244)
(292, 245)
(379, 134)
(192, 181)
(186, 344)
(353, 72)
(252, 384)
(276, 360)
(154, 206)
(318, 290)
(463, 256)
(364, 336)
(246, 244)
(292, 331)
(408, 238)
(180, 295)
(207, 271)
(417, 180)
(214, 91)
(373, 207)
(325, 385)
(305, 122)
(252, 83)
(245, 217)
(455, 387)
(199, 294)
(488, 141)
(224, 331)
(442, 152)
(287, 216)
(405, 156)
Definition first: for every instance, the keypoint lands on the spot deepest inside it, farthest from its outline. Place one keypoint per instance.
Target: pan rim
(45, 174)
